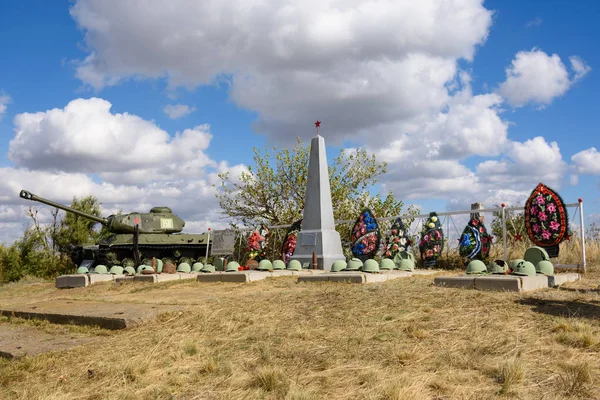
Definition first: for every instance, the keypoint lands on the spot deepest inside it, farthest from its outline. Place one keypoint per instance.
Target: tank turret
(158, 220)
(136, 238)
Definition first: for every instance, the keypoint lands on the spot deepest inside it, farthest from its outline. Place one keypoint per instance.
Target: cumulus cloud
(538, 78)
(4, 100)
(86, 137)
(175, 111)
(587, 161)
(361, 64)
(126, 162)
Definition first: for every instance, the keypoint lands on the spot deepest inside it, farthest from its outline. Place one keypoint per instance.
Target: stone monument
(318, 232)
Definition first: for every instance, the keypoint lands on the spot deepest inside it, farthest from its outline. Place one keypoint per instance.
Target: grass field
(278, 339)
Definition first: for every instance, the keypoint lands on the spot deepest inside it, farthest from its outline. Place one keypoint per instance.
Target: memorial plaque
(223, 242)
(309, 239)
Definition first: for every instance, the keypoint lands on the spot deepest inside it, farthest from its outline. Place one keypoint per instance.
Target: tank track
(163, 249)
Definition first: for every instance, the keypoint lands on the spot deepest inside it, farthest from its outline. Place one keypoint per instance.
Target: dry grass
(278, 339)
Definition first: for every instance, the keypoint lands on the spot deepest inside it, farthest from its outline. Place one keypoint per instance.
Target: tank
(137, 237)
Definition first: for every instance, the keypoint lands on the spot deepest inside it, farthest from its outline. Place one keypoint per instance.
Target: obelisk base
(325, 243)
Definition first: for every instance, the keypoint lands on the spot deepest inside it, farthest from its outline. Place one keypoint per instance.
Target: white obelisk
(318, 232)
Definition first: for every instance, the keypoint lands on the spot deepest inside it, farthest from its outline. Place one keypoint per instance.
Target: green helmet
(354, 265)
(498, 267)
(140, 268)
(116, 270)
(218, 262)
(514, 263)
(129, 271)
(265, 265)
(406, 265)
(387, 264)
(294, 265)
(197, 267)
(371, 266)
(278, 264)
(545, 268)
(184, 268)
(232, 267)
(536, 254)
(159, 265)
(83, 270)
(476, 267)
(209, 268)
(100, 269)
(338, 265)
(524, 268)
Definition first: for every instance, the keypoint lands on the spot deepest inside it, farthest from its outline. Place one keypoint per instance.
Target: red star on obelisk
(317, 125)
(517, 237)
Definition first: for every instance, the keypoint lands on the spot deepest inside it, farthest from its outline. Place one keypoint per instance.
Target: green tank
(137, 237)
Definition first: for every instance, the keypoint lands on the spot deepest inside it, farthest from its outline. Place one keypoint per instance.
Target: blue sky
(267, 100)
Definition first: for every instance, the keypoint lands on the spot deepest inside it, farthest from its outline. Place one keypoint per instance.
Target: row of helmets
(119, 270)
(535, 261)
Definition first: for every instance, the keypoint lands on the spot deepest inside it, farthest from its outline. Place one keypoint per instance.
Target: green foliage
(44, 250)
(272, 190)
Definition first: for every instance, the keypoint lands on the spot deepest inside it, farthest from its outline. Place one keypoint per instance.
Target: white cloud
(535, 77)
(4, 101)
(122, 148)
(587, 161)
(126, 162)
(536, 22)
(175, 111)
(360, 63)
(580, 67)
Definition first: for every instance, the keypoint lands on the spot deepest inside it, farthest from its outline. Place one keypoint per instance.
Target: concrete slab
(72, 281)
(78, 312)
(559, 279)
(501, 283)
(530, 283)
(18, 341)
(425, 271)
(124, 278)
(462, 281)
(97, 278)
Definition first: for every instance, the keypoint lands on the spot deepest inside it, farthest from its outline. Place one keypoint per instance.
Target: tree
(44, 249)
(515, 225)
(272, 191)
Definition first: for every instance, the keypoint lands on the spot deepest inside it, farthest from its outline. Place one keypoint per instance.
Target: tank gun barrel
(24, 194)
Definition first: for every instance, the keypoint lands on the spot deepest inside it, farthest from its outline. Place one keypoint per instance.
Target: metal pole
(504, 231)
(207, 246)
(582, 230)
(448, 235)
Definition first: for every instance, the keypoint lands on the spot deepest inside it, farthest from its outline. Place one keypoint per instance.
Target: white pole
(207, 246)
(582, 231)
(504, 231)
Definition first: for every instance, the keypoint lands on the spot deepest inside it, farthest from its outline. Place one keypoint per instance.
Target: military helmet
(143, 268)
(197, 267)
(159, 265)
(232, 267)
(129, 271)
(514, 263)
(265, 265)
(498, 267)
(209, 268)
(338, 265)
(83, 270)
(184, 268)
(278, 264)
(545, 268)
(476, 267)
(116, 270)
(387, 264)
(524, 268)
(406, 265)
(294, 265)
(100, 269)
(371, 266)
(354, 265)
(536, 254)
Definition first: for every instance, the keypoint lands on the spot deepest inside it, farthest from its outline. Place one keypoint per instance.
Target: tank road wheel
(128, 262)
(186, 260)
(111, 258)
(176, 253)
